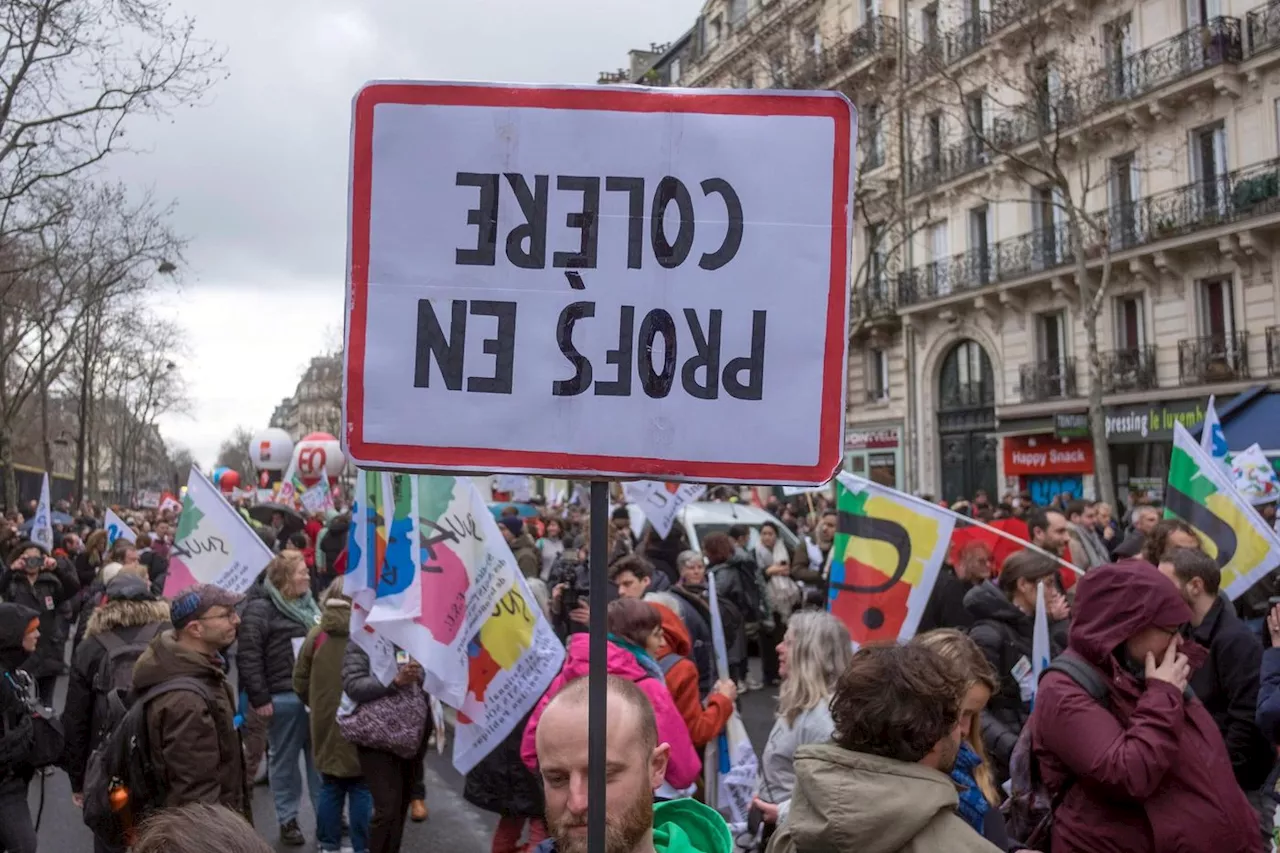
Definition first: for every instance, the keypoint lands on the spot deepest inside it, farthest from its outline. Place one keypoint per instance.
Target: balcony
(1262, 27)
(879, 35)
(1273, 351)
(1049, 379)
(1131, 369)
(875, 302)
(1213, 358)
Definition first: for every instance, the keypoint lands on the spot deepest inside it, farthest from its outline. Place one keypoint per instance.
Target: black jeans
(769, 648)
(391, 780)
(17, 833)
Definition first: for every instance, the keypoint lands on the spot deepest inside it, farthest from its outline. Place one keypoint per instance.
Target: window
(1209, 165)
(877, 375)
(1122, 197)
(1117, 47)
(938, 257)
(778, 71)
(674, 68)
(1046, 221)
(980, 243)
(1051, 340)
(874, 118)
(715, 27)
(1202, 11)
(1217, 309)
(737, 11)
(870, 10)
(813, 41)
(929, 25)
(876, 284)
(933, 139)
(1131, 333)
(976, 124)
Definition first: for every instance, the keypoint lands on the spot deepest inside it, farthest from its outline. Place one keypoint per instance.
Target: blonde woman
(813, 653)
(979, 796)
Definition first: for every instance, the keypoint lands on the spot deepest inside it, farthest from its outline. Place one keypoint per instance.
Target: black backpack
(1029, 810)
(121, 785)
(115, 671)
(31, 734)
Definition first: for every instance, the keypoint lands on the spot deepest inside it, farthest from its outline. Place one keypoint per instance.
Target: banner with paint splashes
(465, 612)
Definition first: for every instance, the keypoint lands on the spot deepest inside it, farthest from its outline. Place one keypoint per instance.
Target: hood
(165, 659)
(986, 601)
(688, 826)
(14, 621)
(675, 634)
(1114, 602)
(524, 540)
(852, 801)
(121, 613)
(620, 661)
(336, 618)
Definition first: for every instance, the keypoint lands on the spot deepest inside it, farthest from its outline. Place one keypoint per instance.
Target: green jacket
(317, 679)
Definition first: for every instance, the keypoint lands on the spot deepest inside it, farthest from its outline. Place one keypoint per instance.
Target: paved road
(454, 825)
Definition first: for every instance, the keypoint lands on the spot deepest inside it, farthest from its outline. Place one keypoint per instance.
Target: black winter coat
(736, 582)
(945, 608)
(1227, 684)
(358, 681)
(264, 655)
(501, 783)
(1004, 633)
(50, 596)
(15, 733)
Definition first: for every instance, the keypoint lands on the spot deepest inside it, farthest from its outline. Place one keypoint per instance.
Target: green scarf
(302, 610)
(648, 664)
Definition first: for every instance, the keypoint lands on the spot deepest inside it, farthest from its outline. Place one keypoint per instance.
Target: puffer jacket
(15, 733)
(49, 596)
(132, 622)
(684, 765)
(264, 653)
(195, 746)
(358, 681)
(1148, 771)
(1004, 633)
(853, 801)
(682, 681)
(317, 679)
(502, 784)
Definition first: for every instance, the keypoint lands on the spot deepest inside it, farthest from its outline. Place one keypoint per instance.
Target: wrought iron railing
(1131, 369)
(967, 38)
(876, 299)
(967, 395)
(1049, 379)
(813, 70)
(878, 35)
(1262, 27)
(1214, 358)
(1273, 350)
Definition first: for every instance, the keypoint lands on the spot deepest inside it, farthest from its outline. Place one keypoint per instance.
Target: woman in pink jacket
(635, 634)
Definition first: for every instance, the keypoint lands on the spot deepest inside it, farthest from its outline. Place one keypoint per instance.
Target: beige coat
(850, 801)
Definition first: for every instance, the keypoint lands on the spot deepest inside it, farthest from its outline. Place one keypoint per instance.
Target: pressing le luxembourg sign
(599, 281)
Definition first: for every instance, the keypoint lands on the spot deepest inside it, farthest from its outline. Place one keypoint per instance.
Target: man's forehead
(563, 730)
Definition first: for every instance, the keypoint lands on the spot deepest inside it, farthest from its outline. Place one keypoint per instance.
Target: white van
(702, 518)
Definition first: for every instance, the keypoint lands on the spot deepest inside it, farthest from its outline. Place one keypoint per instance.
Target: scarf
(648, 664)
(302, 610)
(972, 806)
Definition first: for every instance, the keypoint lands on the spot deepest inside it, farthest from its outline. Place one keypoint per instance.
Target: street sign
(599, 281)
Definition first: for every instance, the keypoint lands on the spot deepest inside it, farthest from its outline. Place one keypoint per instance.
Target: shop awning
(1252, 417)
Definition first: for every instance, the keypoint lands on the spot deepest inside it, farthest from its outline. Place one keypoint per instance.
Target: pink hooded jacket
(684, 765)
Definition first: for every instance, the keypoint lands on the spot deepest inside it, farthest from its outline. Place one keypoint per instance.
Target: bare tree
(1035, 116)
(234, 452)
(180, 461)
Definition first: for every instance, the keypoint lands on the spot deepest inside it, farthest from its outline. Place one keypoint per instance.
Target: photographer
(43, 584)
(570, 582)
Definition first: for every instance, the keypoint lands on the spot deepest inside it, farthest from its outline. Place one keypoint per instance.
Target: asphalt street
(454, 825)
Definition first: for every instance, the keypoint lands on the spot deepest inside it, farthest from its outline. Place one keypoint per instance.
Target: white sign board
(599, 281)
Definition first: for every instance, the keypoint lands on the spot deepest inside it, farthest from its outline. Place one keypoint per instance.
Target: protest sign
(213, 544)
(661, 502)
(610, 256)
(117, 529)
(430, 572)
(148, 500)
(168, 503)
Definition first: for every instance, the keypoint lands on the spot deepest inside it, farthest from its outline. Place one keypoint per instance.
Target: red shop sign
(1045, 454)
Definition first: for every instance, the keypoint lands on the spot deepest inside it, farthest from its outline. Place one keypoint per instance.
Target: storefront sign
(1074, 425)
(1152, 422)
(1037, 455)
(873, 439)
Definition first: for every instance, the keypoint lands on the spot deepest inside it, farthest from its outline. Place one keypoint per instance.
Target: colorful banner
(662, 502)
(168, 503)
(465, 614)
(1201, 494)
(1253, 476)
(117, 529)
(213, 543)
(888, 550)
(42, 525)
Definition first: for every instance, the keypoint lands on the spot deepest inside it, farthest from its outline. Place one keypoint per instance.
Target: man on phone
(43, 584)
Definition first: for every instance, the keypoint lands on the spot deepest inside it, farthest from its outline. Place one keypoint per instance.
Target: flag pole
(967, 520)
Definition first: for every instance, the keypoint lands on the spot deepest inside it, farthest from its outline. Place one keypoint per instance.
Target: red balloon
(229, 480)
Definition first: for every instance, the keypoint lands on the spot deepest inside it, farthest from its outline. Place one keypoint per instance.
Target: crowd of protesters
(1154, 727)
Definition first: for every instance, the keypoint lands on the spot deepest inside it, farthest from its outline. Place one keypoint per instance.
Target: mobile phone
(402, 657)
(1273, 601)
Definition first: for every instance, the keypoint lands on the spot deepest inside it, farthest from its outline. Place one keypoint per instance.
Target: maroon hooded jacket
(1151, 772)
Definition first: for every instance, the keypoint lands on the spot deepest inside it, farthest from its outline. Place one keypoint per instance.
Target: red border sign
(400, 456)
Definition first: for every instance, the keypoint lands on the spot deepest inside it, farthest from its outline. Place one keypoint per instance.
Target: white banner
(213, 543)
(117, 529)
(662, 502)
(42, 526)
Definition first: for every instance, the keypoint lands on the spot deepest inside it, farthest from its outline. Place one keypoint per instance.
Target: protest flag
(213, 543)
(117, 529)
(661, 502)
(1041, 650)
(42, 524)
(1213, 441)
(1200, 493)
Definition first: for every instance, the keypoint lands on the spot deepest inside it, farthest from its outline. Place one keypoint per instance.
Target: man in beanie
(521, 544)
(19, 634)
(195, 745)
(34, 579)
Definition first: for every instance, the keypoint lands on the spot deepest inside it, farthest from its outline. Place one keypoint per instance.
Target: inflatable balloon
(216, 476)
(229, 480)
(318, 452)
(271, 449)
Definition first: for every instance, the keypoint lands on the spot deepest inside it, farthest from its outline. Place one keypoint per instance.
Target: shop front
(1047, 466)
(1141, 440)
(875, 452)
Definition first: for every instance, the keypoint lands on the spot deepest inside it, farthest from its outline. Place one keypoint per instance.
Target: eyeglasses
(230, 616)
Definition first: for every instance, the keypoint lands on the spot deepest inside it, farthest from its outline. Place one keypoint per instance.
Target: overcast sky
(260, 171)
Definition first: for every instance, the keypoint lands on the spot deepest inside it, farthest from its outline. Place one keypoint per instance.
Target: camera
(575, 578)
(34, 562)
